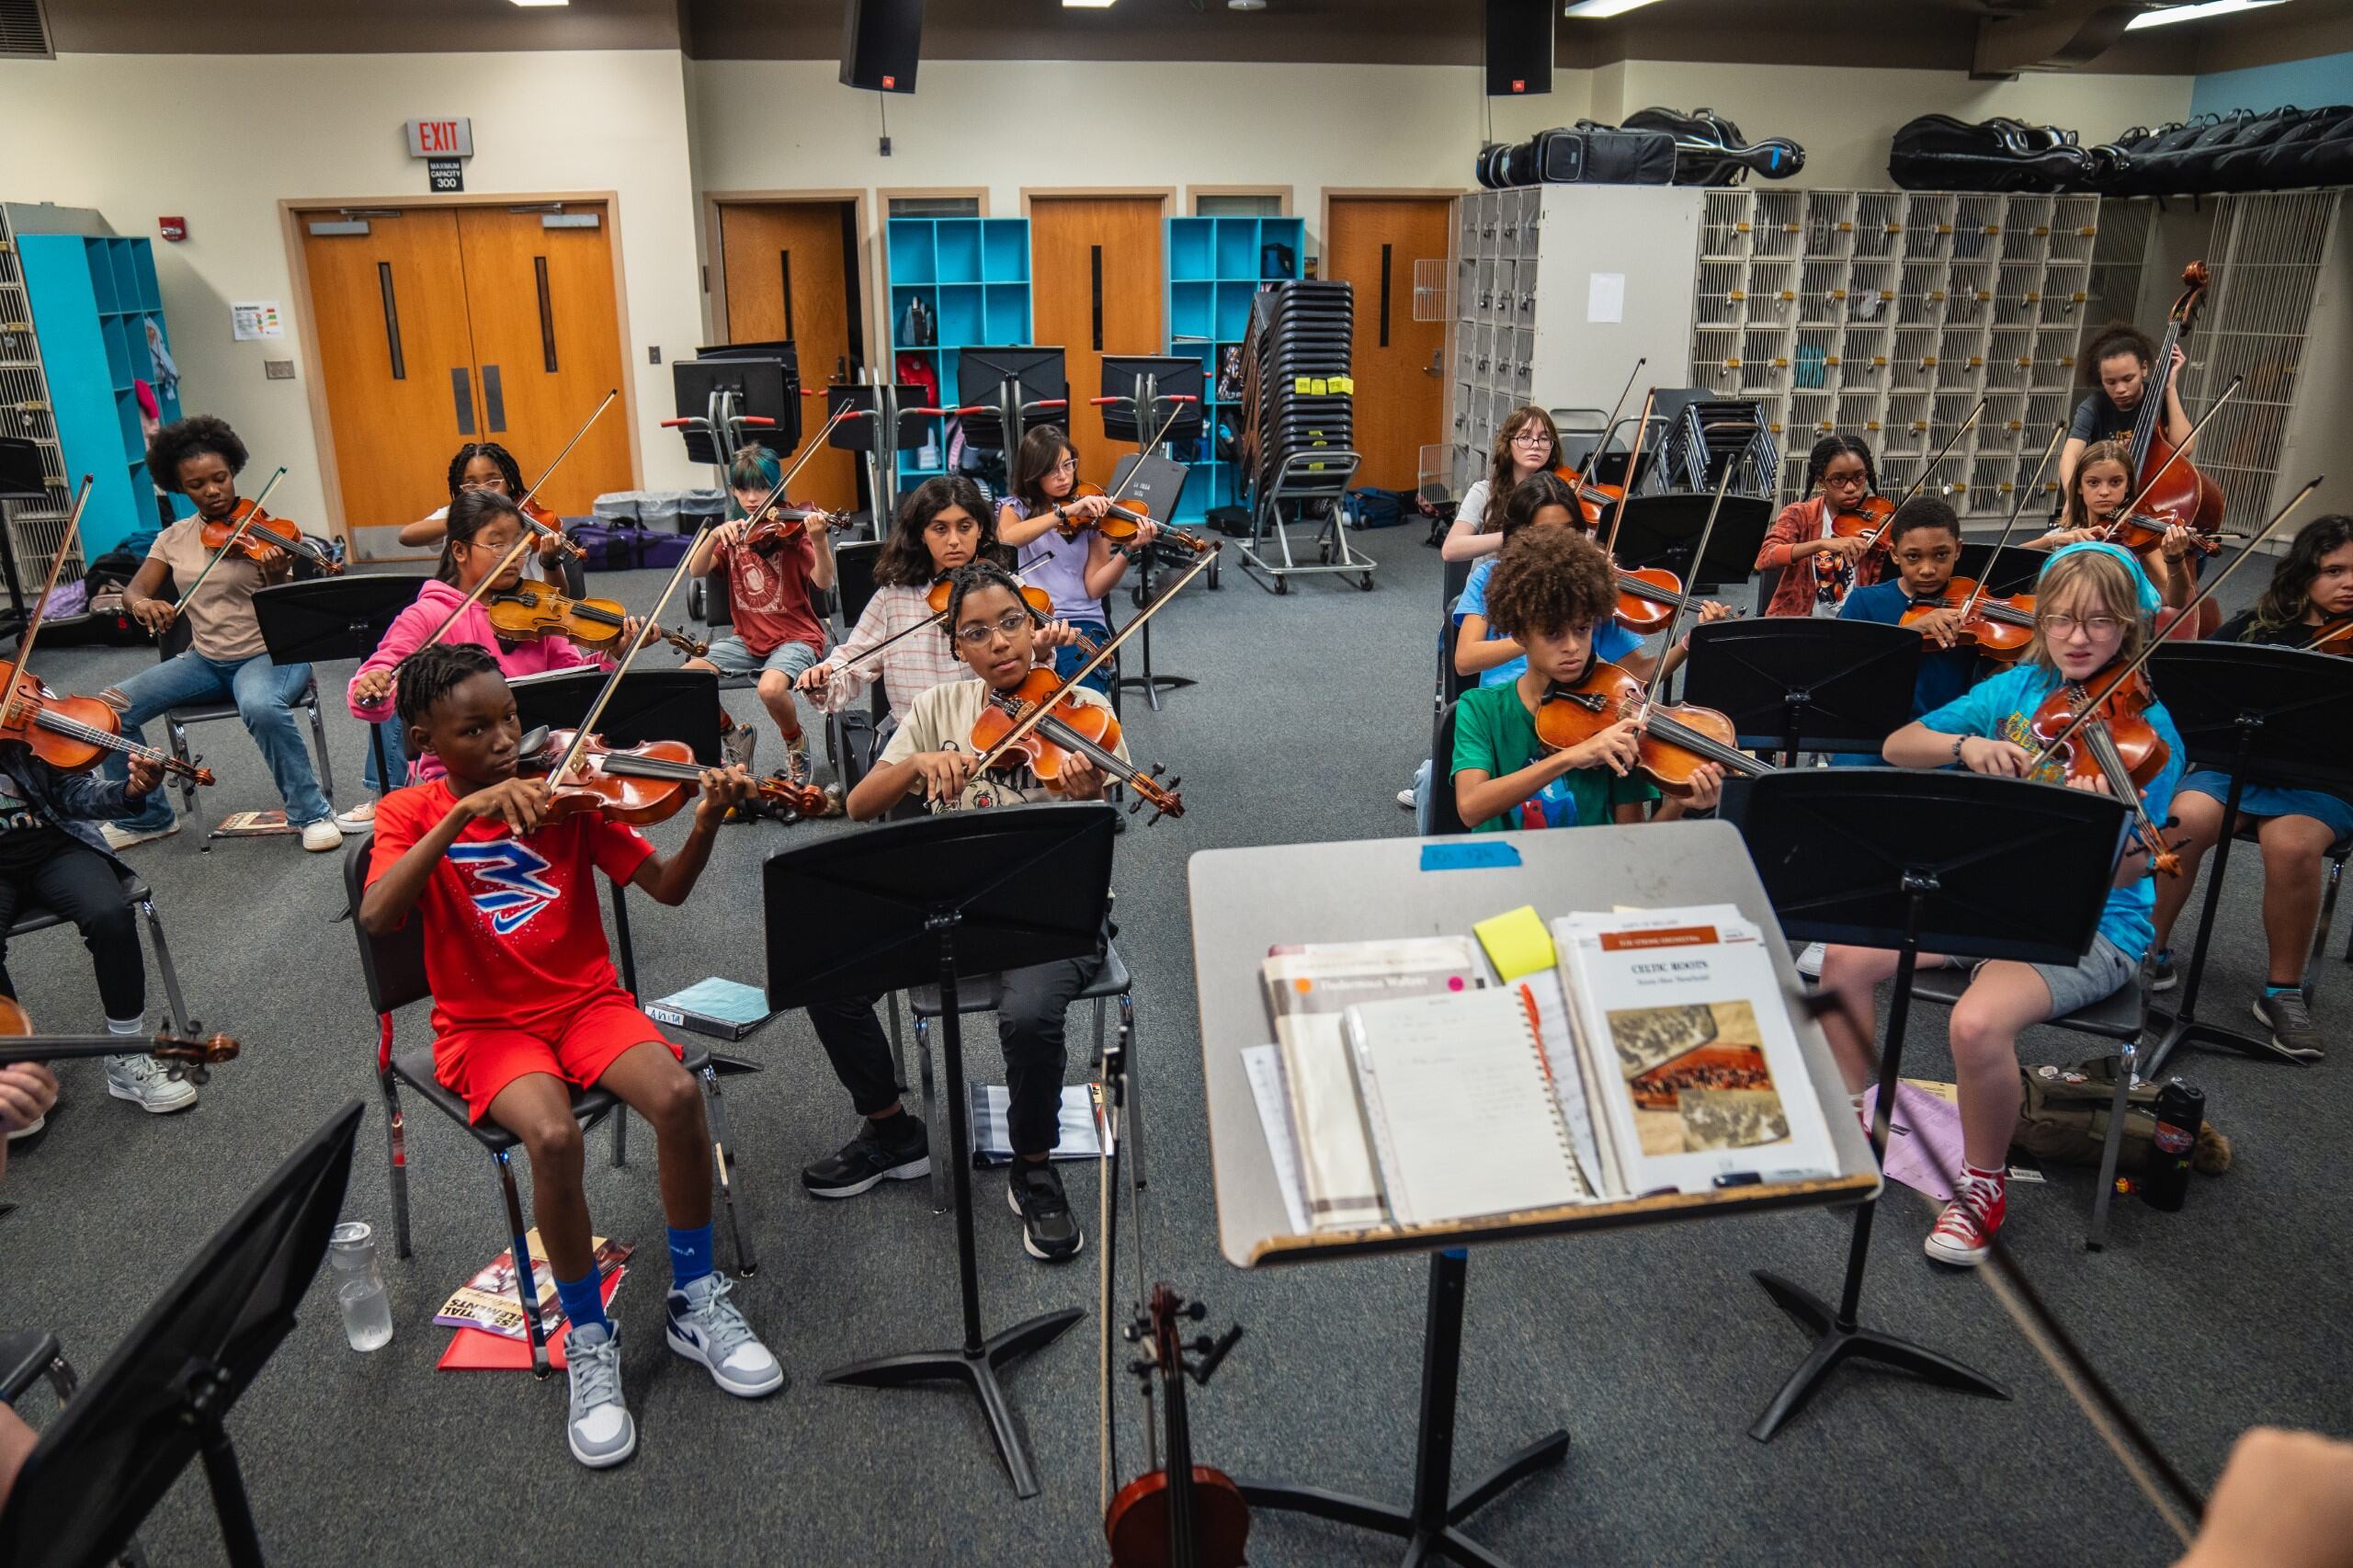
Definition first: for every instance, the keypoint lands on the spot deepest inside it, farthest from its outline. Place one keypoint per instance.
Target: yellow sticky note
(1517, 942)
(1345, 385)
(1298, 386)
(1316, 387)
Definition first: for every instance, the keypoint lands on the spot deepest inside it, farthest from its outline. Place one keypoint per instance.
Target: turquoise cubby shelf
(92, 299)
(1215, 267)
(972, 275)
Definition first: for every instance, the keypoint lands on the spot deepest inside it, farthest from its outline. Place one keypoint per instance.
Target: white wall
(221, 140)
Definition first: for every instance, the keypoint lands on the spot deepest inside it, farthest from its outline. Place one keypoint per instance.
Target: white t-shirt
(942, 719)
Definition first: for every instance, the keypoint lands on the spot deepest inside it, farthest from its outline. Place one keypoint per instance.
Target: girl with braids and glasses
(1820, 568)
(2311, 591)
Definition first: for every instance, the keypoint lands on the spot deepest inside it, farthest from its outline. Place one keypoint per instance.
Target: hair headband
(2144, 591)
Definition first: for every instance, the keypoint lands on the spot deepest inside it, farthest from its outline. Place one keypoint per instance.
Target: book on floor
(1081, 1124)
(724, 1009)
(488, 1301)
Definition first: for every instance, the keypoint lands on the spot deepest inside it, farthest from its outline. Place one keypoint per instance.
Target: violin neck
(1730, 758)
(65, 1047)
(1178, 1465)
(1063, 735)
(90, 734)
(1630, 583)
(624, 764)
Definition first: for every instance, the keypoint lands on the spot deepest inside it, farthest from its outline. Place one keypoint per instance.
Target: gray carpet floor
(1653, 1347)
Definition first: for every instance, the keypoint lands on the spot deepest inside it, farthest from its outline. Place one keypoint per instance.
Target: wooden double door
(442, 325)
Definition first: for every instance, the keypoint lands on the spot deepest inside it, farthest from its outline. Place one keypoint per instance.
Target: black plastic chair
(1444, 818)
(175, 641)
(394, 968)
(33, 915)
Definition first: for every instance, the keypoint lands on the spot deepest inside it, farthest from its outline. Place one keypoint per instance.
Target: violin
(1869, 517)
(645, 783)
(2099, 733)
(2173, 491)
(186, 1056)
(545, 526)
(1063, 729)
(1120, 523)
(255, 531)
(784, 525)
(72, 734)
(2334, 635)
(1675, 738)
(2141, 532)
(1182, 1515)
(1998, 626)
(529, 611)
(1648, 597)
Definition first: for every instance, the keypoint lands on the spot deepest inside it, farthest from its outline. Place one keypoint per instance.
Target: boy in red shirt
(777, 635)
(526, 1007)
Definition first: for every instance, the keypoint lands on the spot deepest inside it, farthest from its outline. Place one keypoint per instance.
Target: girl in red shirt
(1819, 568)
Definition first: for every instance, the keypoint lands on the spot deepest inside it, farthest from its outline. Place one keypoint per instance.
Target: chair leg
(721, 1163)
(898, 1042)
(620, 1136)
(1131, 1119)
(943, 1189)
(63, 1382)
(319, 744)
(1099, 1006)
(171, 977)
(2320, 934)
(396, 1161)
(526, 1287)
(177, 734)
(2128, 1059)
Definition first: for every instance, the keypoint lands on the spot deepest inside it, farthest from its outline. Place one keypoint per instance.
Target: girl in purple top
(1079, 572)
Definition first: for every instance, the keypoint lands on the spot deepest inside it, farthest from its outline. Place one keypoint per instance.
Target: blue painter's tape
(1468, 856)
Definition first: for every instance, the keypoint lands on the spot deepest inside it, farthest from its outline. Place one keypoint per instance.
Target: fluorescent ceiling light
(2198, 13)
(543, 2)
(1086, 4)
(1595, 9)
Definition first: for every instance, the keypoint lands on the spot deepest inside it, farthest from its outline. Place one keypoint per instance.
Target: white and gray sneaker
(148, 1083)
(1809, 960)
(708, 1332)
(601, 1431)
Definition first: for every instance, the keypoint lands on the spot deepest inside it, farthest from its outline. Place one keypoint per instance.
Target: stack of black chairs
(1298, 337)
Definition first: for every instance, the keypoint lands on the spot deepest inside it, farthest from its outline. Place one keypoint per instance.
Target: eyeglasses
(2095, 627)
(1068, 465)
(1922, 557)
(1009, 624)
(1531, 438)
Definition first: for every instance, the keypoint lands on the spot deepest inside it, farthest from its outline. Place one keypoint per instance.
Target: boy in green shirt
(1550, 589)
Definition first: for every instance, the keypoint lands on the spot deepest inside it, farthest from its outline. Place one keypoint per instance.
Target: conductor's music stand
(1805, 684)
(164, 1396)
(2267, 716)
(322, 618)
(934, 900)
(1663, 530)
(1889, 857)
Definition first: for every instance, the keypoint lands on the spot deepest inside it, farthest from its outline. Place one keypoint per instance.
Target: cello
(2173, 491)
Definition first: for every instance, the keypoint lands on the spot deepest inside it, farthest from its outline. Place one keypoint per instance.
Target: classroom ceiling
(1927, 34)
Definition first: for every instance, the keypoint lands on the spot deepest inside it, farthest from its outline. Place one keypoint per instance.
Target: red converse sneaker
(1965, 1230)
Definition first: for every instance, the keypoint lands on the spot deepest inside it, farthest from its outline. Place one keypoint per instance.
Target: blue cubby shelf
(1215, 267)
(972, 275)
(92, 297)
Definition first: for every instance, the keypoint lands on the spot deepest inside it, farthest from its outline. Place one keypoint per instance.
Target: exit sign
(441, 138)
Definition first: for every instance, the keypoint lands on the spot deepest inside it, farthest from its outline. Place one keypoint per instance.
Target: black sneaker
(876, 1155)
(1048, 1231)
(2290, 1020)
(2162, 974)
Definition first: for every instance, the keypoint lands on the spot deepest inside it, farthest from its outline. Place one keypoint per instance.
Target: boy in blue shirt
(2093, 608)
(1924, 543)
(1551, 588)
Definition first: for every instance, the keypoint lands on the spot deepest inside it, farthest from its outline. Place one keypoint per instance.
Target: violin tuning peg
(1196, 1311)
(1159, 769)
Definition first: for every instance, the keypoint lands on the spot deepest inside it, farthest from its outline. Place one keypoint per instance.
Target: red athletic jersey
(514, 936)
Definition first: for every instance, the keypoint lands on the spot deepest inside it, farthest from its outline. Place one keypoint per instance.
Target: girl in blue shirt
(2095, 608)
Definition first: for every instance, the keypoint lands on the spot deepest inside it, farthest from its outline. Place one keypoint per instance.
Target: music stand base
(1834, 1343)
(2183, 1031)
(1152, 685)
(1431, 1539)
(978, 1370)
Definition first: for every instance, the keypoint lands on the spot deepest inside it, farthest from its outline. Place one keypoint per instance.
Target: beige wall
(222, 140)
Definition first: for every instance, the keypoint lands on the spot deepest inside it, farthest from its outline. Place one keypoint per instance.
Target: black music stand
(2013, 568)
(164, 1396)
(1012, 387)
(963, 893)
(1805, 684)
(22, 478)
(1893, 858)
(1162, 482)
(1664, 530)
(2267, 715)
(324, 619)
(648, 705)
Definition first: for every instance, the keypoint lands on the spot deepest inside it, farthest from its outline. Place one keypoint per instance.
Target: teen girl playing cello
(2093, 608)
(2311, 591)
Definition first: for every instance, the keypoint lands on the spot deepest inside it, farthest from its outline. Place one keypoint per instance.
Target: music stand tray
(1663, 530)
(1892, 858)
(1796, 684)
(964, 894)
(2266, 715)
(164, 1396)
(648, 705)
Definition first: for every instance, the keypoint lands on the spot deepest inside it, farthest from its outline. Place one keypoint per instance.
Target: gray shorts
(733, 658)
(2103, 972)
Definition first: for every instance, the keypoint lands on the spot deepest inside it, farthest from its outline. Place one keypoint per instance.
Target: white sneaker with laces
(601, 1431)
(1809, 960)
(361, 818)
(711, 1333)
(148, 1083)
(1406, 798)
(322, 835)
(120, 839)
(29, 1129)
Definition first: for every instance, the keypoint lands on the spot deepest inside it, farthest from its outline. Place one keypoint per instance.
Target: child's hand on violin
(1616, 748)
(1081, 779)
(1709, 609)
(1146, 531)
(371, 687)
(521, 804)
(730, 533)
(1707, 788)
(944, 773)
(145, 774)
(2178, 539)
(1087, 507)
(273, 562)
(636, 633)
(2058, 536)
(1846, 547)
(155, 615)
(724, 789)
(1941, 626)
(2001, 759)
(1055, 634)
(551, 547)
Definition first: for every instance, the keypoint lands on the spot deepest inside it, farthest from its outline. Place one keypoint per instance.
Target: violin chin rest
(534, 741)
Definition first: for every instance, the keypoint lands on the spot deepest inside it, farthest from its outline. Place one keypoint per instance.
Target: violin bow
(612, 682)
(234, 535)
(1024, 725)
(1633, 462)
(2058, 433)
(1606, 423)
(532, 525)
(2174, 456)
(2205, 591)
(812, 446)
(514, 553)
(1683, 600)
(40, 606)
(933, 619)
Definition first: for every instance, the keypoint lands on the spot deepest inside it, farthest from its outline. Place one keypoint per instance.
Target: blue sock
(583, 1301)
(2162, 955)
(2271, 990)
(689, 1255)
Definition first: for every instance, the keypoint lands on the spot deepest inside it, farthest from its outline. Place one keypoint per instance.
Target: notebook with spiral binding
(1457, 1100)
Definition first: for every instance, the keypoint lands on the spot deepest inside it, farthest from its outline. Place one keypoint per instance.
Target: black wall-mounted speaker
(882, 41)
(1519, 47)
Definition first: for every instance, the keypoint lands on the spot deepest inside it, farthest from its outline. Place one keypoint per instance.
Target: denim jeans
(395, 735)
(265, 694)
(1067, 659)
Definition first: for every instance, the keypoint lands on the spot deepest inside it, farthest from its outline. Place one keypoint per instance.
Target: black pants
(1030, 1013)
(78, 882)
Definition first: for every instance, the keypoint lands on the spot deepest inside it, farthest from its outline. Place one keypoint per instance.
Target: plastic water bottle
(360, 1286)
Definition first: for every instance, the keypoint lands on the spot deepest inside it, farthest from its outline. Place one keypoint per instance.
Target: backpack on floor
(2064, 1119)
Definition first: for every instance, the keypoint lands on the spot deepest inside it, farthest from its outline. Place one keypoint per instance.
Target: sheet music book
(1457, 1095)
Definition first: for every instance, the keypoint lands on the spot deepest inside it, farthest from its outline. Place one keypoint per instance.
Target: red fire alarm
(889, 84)
(1519, 84)
(173, 228)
